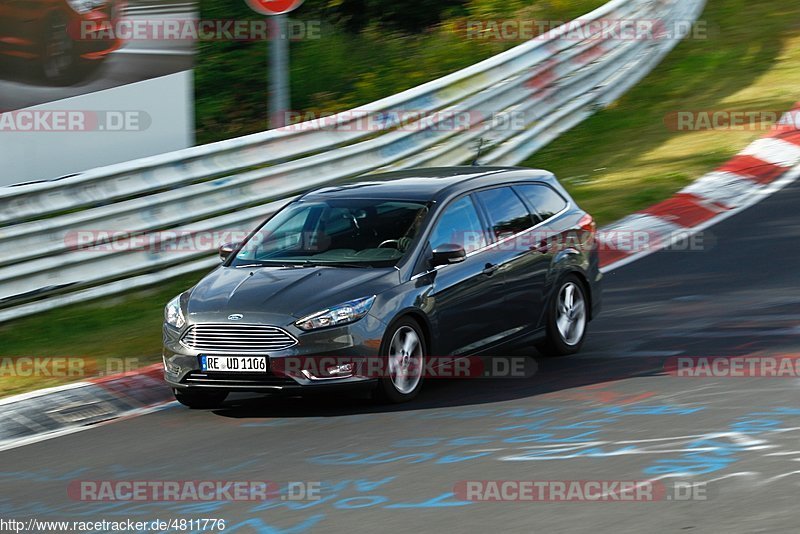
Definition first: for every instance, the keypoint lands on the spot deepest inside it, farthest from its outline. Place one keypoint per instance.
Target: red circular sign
(273, 7)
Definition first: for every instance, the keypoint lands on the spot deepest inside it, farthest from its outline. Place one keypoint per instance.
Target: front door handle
(489, 269)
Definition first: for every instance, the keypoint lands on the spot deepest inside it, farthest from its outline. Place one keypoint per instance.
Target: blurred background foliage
(364, 50)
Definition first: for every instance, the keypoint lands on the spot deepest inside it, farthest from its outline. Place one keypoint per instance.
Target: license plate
(235, 364)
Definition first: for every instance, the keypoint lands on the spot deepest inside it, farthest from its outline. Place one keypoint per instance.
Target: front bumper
(296, 368)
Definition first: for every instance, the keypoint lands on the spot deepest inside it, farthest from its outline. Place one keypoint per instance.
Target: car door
(520, 263)
(466, 295)
(545, 204)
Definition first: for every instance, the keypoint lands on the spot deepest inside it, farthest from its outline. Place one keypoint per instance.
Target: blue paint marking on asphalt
(576, 439)
(452, 458)
(363, 501)
(353, 458)
(591, 423)
(549, 437)
(442, 501)
(534, 425)
(574, 451)
(256, 524)
(547, 430)
(351, 494)
(449, 442)
(719, 454)
(648, 410)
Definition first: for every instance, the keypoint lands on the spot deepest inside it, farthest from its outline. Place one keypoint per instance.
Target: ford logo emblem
(235, 316)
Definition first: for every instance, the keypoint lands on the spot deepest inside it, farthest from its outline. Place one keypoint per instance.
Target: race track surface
(611, 413)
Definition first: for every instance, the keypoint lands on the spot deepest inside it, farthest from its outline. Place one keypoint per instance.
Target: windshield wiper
(306, 263)
(341, 264)
(268, 264)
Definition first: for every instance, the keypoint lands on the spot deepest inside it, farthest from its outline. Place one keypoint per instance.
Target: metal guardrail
(548, 84)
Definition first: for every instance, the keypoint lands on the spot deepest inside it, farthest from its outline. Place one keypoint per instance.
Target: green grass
(106, 331)
(620, 160)
(342, 70)
(624, 158)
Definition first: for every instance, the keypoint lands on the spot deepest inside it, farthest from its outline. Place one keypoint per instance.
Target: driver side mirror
(447, 254)
(226, 249)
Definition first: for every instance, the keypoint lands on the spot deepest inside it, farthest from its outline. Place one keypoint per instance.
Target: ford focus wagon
(365, 283)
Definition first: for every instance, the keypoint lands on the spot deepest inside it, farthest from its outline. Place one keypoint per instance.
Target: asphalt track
(610, 413)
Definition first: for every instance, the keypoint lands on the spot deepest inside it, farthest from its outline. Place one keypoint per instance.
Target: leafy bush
(394, 45)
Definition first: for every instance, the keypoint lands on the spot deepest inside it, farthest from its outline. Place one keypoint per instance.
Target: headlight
(173, 315)
(349, 312)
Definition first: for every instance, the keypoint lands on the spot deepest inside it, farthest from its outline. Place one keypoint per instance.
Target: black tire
(200, 399)
(59, 63)
(557, 343)
(388, 390)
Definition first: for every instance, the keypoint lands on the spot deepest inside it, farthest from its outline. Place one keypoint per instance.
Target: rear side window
(543, 199)
(459, 225)
(507, 214)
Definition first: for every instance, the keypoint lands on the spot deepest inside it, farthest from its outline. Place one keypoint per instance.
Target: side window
(459, 225)
(543, 199)
(507, 214)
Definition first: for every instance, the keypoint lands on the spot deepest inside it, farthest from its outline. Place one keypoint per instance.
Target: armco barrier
(552, 83)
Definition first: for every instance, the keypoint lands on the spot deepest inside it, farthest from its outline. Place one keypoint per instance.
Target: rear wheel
(566, 319)
(403, 347)
(200, 399)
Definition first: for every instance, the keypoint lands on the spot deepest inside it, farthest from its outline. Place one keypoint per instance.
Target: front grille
(231, 339)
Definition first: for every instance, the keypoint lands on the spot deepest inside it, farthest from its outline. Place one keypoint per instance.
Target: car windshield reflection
(335, 232)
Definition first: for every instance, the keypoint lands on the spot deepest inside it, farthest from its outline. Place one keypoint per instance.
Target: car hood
(287, 291)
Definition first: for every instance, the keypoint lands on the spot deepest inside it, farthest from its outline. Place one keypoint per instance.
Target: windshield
(340, 232)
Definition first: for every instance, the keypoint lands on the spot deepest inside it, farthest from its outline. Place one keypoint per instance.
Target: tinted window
(336, 232)
(507, 214)
(544, 200)
(459, 225)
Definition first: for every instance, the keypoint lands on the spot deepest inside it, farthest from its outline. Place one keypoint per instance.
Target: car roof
(429, 184)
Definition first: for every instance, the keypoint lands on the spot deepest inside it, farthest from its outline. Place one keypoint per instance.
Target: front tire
(58, 60)
(200, 399)
(567, 318)
(403, 347)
